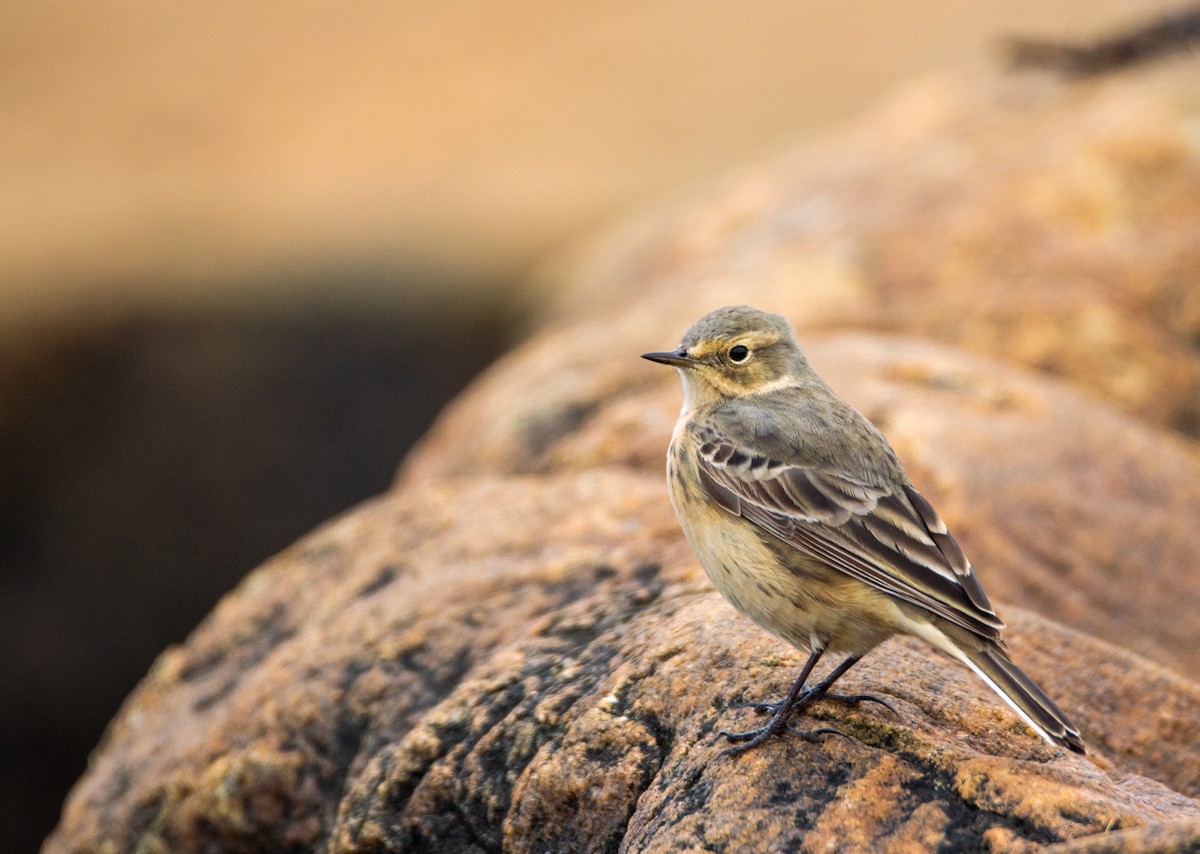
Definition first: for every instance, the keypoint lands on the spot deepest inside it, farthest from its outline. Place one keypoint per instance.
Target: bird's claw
(855, 699)
(743, 741)
(811, 734)
(735, 737)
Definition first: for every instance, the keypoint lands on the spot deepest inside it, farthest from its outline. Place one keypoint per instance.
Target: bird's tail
(1026, 698)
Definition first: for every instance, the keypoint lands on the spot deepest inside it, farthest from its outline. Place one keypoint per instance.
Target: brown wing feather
(890, 538)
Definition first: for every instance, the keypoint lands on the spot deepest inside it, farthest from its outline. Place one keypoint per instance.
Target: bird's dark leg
(799, 697)
(778, 723)
(821, 689)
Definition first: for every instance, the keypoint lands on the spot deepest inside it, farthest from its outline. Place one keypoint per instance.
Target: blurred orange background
(185, 152)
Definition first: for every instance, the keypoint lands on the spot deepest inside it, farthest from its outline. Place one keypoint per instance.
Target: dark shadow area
(148, 463)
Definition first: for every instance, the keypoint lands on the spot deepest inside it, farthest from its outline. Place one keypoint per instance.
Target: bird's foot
(743, 741)
(811, 695)
(780, 712)
(855, 699)
(778, 725)
(799, 697)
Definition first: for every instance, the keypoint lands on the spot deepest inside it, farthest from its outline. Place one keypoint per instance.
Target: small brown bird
(804, 519)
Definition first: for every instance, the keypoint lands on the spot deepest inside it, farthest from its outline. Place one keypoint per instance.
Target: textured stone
(465, 667)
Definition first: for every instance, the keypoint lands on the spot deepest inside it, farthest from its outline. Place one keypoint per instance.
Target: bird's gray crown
(735, 321)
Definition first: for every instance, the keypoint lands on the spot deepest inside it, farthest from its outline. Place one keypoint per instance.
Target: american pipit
(804, 519)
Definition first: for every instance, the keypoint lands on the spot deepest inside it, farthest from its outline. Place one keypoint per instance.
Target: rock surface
(515, 650)
(464, 667)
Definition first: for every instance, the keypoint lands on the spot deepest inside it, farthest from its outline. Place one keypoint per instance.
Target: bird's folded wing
(889, 537)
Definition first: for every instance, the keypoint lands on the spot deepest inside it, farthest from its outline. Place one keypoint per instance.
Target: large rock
(468, 666)
(515, 650)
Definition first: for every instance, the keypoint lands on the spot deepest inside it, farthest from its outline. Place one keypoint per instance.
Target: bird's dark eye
(739, 353)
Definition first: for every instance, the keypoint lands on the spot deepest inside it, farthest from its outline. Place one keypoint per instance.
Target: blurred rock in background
(197, 152)
(247, 252)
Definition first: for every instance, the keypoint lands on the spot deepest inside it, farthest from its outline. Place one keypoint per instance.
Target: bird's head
(732, 352)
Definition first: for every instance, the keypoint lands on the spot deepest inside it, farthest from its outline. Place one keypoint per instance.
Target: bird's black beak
(676, 358)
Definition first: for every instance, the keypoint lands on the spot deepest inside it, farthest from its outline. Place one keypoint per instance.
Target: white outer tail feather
(935, 637)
